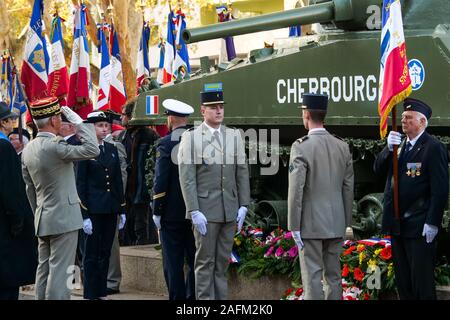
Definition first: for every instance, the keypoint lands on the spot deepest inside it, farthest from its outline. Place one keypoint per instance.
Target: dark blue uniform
(99, 186)
(423, 194)
(177, 239)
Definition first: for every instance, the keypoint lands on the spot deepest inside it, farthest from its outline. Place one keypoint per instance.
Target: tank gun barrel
(337, 10)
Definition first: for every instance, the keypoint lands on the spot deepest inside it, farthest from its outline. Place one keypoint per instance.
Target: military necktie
(102, 149)
(217, 137)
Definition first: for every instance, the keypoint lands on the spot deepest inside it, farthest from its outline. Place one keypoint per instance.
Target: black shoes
(110, 291)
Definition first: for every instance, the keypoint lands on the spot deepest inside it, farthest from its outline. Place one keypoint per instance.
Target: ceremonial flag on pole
(78, 97)
(19, 104)
(169, 50)
(6, 82)
(181, 65)
(117, 94)
(35, 65)
(228, 51)
(142, 64)
(295, 31)
(160, 75)
(394, 83)
(58, 79)
(105, 72)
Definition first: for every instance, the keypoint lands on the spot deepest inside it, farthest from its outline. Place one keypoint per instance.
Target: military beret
(411, 104)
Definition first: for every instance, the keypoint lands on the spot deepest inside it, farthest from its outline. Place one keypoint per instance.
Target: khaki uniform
(320, 201)
(50, 184)
(214, 179)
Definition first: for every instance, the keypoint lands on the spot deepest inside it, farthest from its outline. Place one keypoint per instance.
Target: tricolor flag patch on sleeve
(151, 105)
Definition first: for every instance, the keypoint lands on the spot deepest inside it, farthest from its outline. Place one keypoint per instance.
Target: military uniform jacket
(423, 193)
(320, 194)
(47, 167)
(168, 200)
(213, 177)
(99, 183)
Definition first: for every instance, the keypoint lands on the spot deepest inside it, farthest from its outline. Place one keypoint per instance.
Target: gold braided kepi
(45, 108)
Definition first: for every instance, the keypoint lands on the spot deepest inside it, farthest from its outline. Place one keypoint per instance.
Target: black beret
(411, 104)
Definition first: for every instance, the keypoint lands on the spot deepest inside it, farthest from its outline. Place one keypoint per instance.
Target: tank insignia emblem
(151, 105)
(417, 73)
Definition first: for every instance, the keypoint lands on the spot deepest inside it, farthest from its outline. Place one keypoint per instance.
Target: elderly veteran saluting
(423, 194)
(49, 175)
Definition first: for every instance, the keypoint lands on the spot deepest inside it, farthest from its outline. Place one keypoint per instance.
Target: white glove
(87, 226)
(123, 219)
(71, 116)
(199, 221)
(242, 212)
(298, 239)
(157, 221)
(394, 139)
(429, 231)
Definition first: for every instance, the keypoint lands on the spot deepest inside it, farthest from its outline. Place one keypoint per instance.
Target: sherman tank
(263, 92)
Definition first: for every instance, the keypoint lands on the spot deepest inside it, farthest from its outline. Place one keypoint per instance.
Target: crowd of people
(84, 183)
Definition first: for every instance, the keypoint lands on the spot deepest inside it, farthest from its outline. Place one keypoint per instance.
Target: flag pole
(395, 165)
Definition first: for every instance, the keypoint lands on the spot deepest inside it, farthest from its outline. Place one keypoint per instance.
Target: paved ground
(125, 294)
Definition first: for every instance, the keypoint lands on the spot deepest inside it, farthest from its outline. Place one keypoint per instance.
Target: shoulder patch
(300, 140)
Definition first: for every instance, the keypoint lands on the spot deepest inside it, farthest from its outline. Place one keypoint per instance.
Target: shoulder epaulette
(300, 140)
(59, 139)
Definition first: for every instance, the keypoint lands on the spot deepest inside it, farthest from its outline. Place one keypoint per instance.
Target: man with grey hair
(423, 194)
(50, 184)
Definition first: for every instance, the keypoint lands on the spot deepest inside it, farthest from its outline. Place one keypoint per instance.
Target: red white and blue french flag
(117, 94)
(78, 97)
(394, 82)
(105, 72)
(58, 78)
(181, 60)
(151, 105)
(169, 50)
(142, 64)
(34, 75)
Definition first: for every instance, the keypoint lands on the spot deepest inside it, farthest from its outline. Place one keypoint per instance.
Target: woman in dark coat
(18, 246)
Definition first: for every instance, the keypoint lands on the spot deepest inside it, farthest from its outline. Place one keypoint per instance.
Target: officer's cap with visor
(96, 116)
(177, 108)
(411, 104)
(314, 101)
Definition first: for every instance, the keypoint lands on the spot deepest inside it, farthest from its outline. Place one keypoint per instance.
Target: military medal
(411, 170)
(418, 166)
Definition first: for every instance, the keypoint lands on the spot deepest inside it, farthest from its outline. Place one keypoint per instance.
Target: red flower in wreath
(349, 250)
(358, 274)
(386, 253)
(299, 292)
(345, 270)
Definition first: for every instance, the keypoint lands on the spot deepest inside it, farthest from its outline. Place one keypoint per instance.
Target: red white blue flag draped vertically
(34, 74)
(78, 97)
(58, 78)
(181, 61)
(104, 82)
(142, 64)
(169, 49)
(117, 94)
(394, 82)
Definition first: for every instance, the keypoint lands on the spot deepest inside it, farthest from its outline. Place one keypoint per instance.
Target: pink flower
(288, 235)
(293, 252)
(279, 252)
(269, 252)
